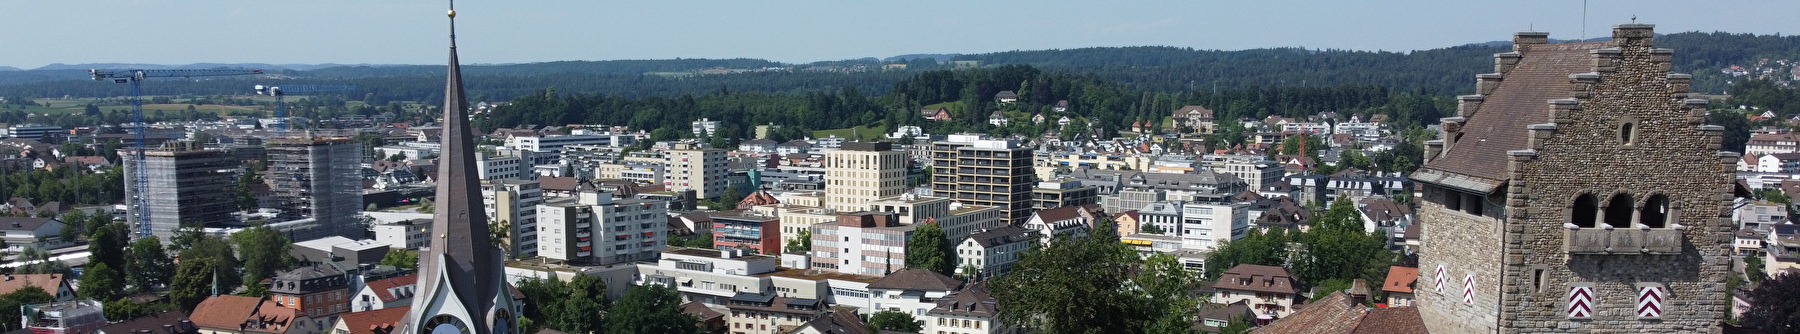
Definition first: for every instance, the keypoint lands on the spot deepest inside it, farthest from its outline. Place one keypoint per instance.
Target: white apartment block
(861, 172)
(1201, 226)
(958, 220)
(512, 204)
(692, 166)
(704, 128)
(594, 228)
(404, 234)
(504, 164)
(861, 244)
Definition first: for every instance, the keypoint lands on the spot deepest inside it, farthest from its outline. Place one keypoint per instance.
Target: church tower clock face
(502, 321)
(446, 324)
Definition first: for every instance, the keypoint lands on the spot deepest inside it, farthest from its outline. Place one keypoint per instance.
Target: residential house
(1006, 96)
(1399, 285)
(316, 291)
(993, 252)
(998, 119)
(167, 322)
(1196, 117)
(1759, 215)
(55, 284)
(1748, 242)
(378, 321)
(764, 313)
(758, 145)
(1047, 224)
(939, 114)
(385, 293)
(1770, 143)
(970, 310)
(240, 314)
(913, 291)
(1214, 317)
(1270, 291)
(35, 233)
(835, 323)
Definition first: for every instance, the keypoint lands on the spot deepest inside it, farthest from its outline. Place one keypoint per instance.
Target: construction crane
(281, 119)
(136, 79)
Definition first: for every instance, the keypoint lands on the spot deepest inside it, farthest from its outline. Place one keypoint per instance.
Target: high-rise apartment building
(862, 172)
(320, 179)
(184, 186)
(988, 172)
(512, 205)
(594, 228)
(692, 166)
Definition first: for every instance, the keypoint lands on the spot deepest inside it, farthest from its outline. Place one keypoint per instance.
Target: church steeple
(461, 280)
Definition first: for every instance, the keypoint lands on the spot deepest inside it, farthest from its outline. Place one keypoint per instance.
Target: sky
(37, 33)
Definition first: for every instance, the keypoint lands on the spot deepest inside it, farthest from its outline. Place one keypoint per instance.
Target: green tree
(102, 282)
(401, 258)
(928, 249)
(1753, 268)
(1268, 248)
(1775, 305)
(1163, 282)
(1074, 285)
(264, 251)
(30, 294)
(801, 243)
(194, 281)
(1338, 248)
(107, 244)
(649, 308)
(147, 265)
(221, 256)
(890, 320)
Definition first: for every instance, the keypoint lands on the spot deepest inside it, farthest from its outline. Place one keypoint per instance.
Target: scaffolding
(318, 178)
(185, 186)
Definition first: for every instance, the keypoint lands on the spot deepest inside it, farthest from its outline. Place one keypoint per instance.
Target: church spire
(461, 273)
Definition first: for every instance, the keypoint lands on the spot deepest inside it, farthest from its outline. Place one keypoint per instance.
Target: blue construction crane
(136, 79)
(281, 119)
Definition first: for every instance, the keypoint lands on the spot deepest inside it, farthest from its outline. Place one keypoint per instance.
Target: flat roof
(817, 274)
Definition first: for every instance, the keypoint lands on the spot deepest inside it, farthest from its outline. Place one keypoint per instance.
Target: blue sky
(514, 31)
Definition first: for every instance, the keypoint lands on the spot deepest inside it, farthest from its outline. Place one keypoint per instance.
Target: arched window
(1585, 212)
(1618, 211)
(1627, 132)
(1656, 212)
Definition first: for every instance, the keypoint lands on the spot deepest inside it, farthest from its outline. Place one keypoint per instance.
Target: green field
(864, 132)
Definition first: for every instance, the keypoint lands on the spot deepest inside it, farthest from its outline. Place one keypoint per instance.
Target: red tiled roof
(1393, 320)
(1520, 100)
(382, 321)
(381, 287)
(224, 312)
(1059, 214)
(1400, 279)
(1334, 314)
(1258, 278)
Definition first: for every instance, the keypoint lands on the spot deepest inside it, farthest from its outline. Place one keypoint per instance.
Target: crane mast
(136, 78)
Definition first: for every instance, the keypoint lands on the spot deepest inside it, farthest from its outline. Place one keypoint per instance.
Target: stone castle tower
(1579, 191)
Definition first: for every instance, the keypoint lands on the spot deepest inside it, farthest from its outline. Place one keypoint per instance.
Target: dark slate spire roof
(459, 231)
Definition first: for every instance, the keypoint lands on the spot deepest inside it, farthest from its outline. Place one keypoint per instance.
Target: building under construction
(320, 179)
(185, 186)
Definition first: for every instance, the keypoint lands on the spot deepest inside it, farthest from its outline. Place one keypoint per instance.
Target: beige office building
(862, 172)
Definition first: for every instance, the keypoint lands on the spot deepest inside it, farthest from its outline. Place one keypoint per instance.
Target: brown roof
(1204, 113)
(49, 282)
(1059, 214)
(1393, 320)
(380, 321)
(566, 183)
(224, 312)
(838, 323)
(381, 287)
(1258, 278)
(1334, 314)
(1400, 279)
(153, 323)
(916, 279)
(1520, 100)
(973, 301)
(699, 310)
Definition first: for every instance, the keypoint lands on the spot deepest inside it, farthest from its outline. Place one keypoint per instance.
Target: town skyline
(396, 33)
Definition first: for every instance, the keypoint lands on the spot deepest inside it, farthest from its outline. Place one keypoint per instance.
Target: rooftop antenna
(1583, 20)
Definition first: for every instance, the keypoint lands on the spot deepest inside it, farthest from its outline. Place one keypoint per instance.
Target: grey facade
(319, 178)
(184, 187)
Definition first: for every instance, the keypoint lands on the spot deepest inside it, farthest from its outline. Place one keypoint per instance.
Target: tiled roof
(154, 324)
(1059, 214)
(23, 223)
(916, 279)
(384, 288)
(838, 323)
(1400, 279)
(1258, 278)
(224, 312)
(1334, 314)
(699, 310)
(558, 183)
(49, 282)
(972, 301)
(1393, 320)
(1520, 100)
(1002, 236)
(381, 321)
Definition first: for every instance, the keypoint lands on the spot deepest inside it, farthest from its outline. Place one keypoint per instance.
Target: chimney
(1523, 40)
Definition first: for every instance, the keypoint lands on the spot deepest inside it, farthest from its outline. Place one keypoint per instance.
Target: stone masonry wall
(1464, 244)
(1671, 154)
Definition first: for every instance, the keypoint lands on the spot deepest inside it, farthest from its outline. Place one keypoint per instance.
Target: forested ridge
(1446, 71)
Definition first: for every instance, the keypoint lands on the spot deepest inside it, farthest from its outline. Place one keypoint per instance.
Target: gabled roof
(699, 310)
(23, 223)
(916, 279)
(154, 324)
(1500, 125)
(1058, 214)
(1392, 320)
(1258, 278)
(1183, 112)
(384, 288)
(1400, 279)
(224, 311)
(973, 300)
(837, 323)
(380, 321)
(1001, 236)
(49, 282)
(1334, 314)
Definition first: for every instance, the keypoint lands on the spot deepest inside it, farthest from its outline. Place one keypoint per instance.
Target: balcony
(1605, 240)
